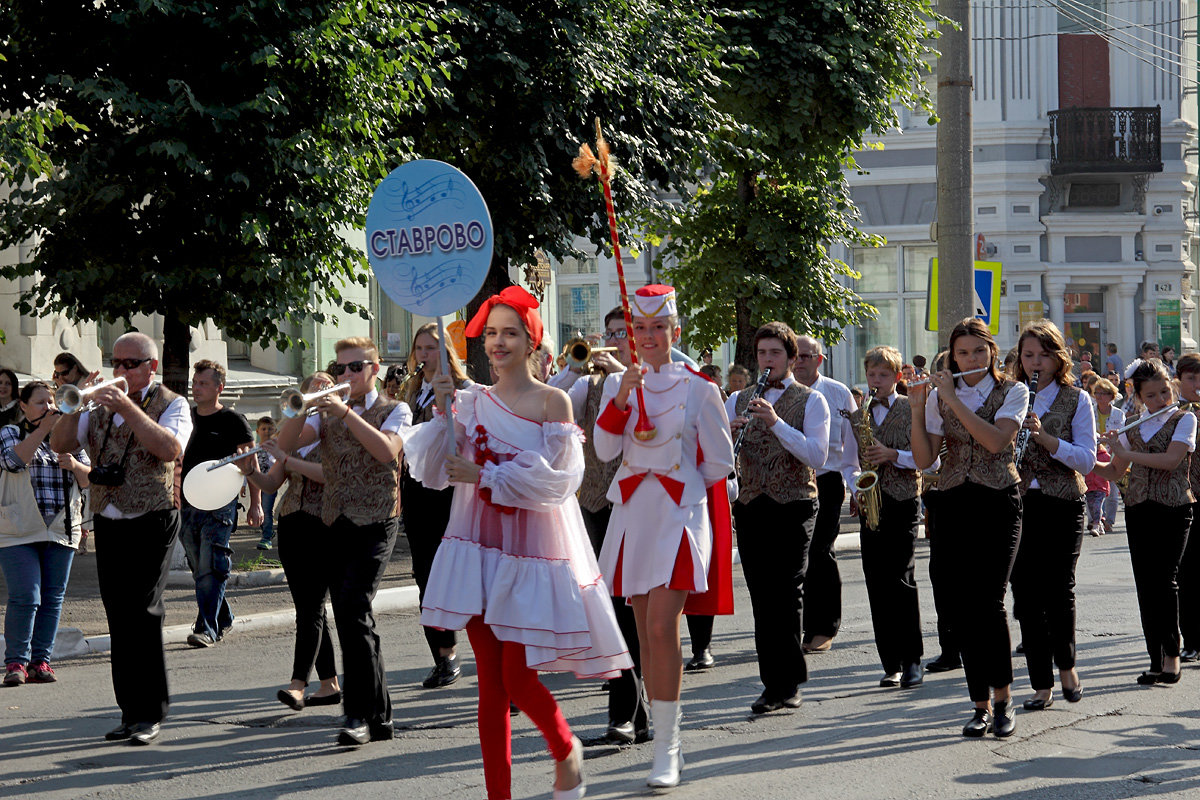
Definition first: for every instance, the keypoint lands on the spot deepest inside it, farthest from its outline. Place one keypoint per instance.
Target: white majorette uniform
(515, 550)
(660, 506)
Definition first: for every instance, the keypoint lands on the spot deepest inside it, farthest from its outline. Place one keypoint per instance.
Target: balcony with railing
(1105, 140)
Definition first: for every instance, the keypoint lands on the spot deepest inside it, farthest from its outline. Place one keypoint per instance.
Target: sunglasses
(128, 363)
(808, 356)
(616, 335)
(354, 366)
(63, 373)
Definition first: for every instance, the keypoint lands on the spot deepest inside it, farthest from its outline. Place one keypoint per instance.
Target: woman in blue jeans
(37, 560)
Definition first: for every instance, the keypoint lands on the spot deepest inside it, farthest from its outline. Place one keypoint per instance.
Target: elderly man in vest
(133, 439)
(786, 441)
(361, 441)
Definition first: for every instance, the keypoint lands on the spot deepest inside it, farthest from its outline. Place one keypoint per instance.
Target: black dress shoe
(290, 700)
(943, 663)
(890, 681)
(355, 732)
(700, 661)
(1020, 648)
(642, 736)
(1148, 678)
(980, 724)
(382, 731)
(1004, 720)
(1038, 703)
(1073, 695)
(1189, 655)
(1169, 677)
(444, 673)
(765, 704)
(143, 733)
(325, 700)
(620, 732)
(913, 676)
(119, 733)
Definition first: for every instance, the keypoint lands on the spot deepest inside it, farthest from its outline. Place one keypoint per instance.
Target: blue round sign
(429, 237)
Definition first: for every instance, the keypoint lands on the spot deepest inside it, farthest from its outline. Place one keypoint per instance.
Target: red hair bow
(518, 300)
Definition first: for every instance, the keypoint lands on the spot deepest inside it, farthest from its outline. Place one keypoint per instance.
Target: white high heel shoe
(580, 789)
(668, 750)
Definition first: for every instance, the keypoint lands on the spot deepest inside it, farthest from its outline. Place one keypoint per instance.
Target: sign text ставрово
(421, 239)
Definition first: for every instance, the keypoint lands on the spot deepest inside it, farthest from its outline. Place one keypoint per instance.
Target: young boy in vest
(882, 431)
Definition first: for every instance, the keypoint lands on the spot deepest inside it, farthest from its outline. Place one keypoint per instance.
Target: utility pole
(955, 199)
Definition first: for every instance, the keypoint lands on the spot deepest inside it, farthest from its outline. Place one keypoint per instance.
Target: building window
(1083, 20)
(589, 265)
(393, 327)
(578, 311)
(901, 303)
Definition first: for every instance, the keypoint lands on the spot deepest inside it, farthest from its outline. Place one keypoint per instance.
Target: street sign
(987, 295)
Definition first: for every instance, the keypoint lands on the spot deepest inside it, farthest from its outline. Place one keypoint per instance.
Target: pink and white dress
(515, 550)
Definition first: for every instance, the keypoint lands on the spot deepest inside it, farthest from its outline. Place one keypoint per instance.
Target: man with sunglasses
(134, 440)
(360, 453)
(823, 583)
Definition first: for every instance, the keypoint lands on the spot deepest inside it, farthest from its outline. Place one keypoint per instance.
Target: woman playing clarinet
(978, 415)
(660, 541)
(1158, 511)
(515, 567)
(1060, 451)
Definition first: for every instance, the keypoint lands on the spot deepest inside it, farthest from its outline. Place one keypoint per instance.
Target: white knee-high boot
(668, 752)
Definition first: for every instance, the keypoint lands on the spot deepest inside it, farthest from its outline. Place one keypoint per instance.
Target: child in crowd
(1097, 490)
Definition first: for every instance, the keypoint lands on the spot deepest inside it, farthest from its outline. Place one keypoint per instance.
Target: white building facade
(1085, 179)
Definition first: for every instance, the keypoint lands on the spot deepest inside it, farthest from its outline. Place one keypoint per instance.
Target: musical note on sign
(409, 202)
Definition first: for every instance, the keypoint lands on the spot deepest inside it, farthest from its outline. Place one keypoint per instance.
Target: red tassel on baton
(585, 164)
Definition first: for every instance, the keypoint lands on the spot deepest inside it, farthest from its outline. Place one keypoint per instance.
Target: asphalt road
(228, 737)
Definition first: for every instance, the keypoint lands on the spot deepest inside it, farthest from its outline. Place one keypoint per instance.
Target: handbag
(19, 512)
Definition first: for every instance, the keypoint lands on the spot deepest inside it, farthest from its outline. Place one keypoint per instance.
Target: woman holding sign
(515, 568)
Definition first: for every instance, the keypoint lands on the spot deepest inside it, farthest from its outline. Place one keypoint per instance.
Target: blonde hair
(364, 343)
(884, 356)
(1103, 385)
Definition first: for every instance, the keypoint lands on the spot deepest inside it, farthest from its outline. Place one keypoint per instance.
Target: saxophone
(866, 485)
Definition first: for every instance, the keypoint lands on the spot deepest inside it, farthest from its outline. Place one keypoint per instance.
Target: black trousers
(939, 580)
(133, 557)
(1157, 537)
(303, 550)
(773, 541)
(357, 561)
(426, 513)
(889, 565)
(823, 584)
(700, 631)
(1043, 583)
(626, 693)
(1189, 585)
(981, 530)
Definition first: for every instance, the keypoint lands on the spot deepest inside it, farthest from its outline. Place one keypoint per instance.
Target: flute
(924, 381)
(233, 458)
(1180, 404)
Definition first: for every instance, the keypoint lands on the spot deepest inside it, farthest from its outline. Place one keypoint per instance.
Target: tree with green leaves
(533, 76)
(804, 83)
(219, 154)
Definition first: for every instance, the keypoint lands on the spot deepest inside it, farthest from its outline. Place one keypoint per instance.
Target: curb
(72, 642)
(257, 577)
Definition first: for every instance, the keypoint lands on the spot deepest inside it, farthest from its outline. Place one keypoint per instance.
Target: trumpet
(924, 381)
(579, 351)
(70, 399)
(292, 402)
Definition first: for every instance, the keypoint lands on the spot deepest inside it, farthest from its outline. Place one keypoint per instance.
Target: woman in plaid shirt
(37, 563)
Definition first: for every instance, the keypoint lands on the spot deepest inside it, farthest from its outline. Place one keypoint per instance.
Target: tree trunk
(177, 342)
(744, 343)
(496, 281)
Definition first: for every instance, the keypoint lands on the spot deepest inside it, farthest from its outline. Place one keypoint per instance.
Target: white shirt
(1185, 431)
(1116, 417)
(904, 458)
(400, 419)
(1080, 454)
(973, 398)
(837, 397)
(808, 445)
(176, 418)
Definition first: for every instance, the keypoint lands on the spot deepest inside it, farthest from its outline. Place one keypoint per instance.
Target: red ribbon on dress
(519, 300)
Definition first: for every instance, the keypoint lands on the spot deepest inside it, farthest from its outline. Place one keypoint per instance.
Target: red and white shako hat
(655, 300)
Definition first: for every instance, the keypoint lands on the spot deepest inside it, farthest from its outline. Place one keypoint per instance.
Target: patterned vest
(149, 481)
(966, 459)
(597, 475)
(764, 466)
(303, 494)
(896, 432)
(1194, 470)
(1055, 478)
(1145, 483)
(356, 483)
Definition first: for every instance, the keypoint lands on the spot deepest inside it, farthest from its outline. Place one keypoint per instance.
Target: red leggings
(503, 677)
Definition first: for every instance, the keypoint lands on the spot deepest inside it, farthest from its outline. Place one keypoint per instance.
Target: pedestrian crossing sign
(987, 295)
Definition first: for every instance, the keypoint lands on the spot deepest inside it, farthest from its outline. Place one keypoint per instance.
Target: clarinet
(759, 388)
(1023, 435)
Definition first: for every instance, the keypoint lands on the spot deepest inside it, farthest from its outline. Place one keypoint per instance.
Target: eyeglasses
(127, 363)
(354, 366)
(808, 356)
(616, 335)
